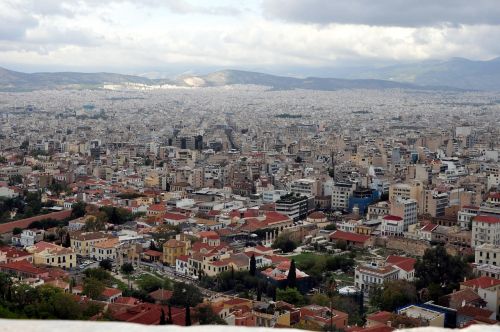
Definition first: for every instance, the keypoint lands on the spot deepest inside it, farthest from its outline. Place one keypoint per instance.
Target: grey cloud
(412, 13)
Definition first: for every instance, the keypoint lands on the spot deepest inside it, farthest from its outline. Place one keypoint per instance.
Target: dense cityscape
(353, 210)
(232, 166)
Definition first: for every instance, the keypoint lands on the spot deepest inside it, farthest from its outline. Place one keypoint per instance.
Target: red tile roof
(404, 263)
(393, 218)
(381, 316)
(174, 216)
(429, 227)
(481, 282)
(110, 292)
(353, 237)
(487, 219)
(23, 267)
(24, 223)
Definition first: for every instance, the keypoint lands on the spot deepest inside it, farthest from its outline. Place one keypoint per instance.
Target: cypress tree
(162, 317)
(188, 315)
(253, 265)
(291, 279)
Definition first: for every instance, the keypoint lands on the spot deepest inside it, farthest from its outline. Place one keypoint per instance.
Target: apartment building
(341, 191)
(487, 253)
(485, 229)
(407, 209)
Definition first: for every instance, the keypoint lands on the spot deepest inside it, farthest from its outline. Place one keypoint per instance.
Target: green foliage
(93, 288)
(291, 278)
(317, 265)
(106, 264)
(288, 116)
(341, 244)
(290, 295)
(130, 195)
(185, 295)
(117, 216)
(206, 316)
(150, 283)
(47, 223)
(320, 299)
(394, 294)
(349, 306)
(15, 179)
(284, 243)
(98, 274)
(44, 302)
(331, 227)
(17, 231)
(253, 265)
(127, 268)
(78, 210)
(441, 269)
(230, 280)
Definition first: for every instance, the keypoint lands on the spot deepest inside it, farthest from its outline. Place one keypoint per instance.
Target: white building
(340, 195)
(272, 196)
(369, 276)
(407, 209)
(27, 238)
(487, 253)
(485, 229)
(392, 226)
(465, 216)
(307, 187)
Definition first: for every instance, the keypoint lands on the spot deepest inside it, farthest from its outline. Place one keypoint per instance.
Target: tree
(106, 264)
(438, 268)
(185, 294)
(127, 269)
(290, 295)
(206, 316)
(330, 227)
(93, 288)
(163, 321)
(78, 210)
(291, 278)
(188, 315)
(320, 299)
(67, 241)
(170, 321)
(150, 283)
(253, 265)
(394, 294)
(284, 243)
(341, 244)
(17, 231)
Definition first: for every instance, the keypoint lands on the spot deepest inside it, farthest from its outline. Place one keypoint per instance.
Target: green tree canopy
(284, 243)
(185, 295)
(439, 268)
(290, 295)
(393, 295)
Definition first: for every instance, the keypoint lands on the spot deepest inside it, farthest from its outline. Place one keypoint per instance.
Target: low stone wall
(84, 326)
(410, 247)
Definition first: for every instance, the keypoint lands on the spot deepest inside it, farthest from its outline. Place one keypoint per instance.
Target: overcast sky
(273, 35)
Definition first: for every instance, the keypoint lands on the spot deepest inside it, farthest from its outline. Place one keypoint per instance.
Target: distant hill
(457, 72)
(16, 81)
(231, 77)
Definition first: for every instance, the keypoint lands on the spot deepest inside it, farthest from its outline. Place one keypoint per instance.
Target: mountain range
(456, 73)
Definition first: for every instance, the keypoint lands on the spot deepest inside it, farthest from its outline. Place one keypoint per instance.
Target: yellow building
(172, 249)
(46, 253)
(81, 242)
